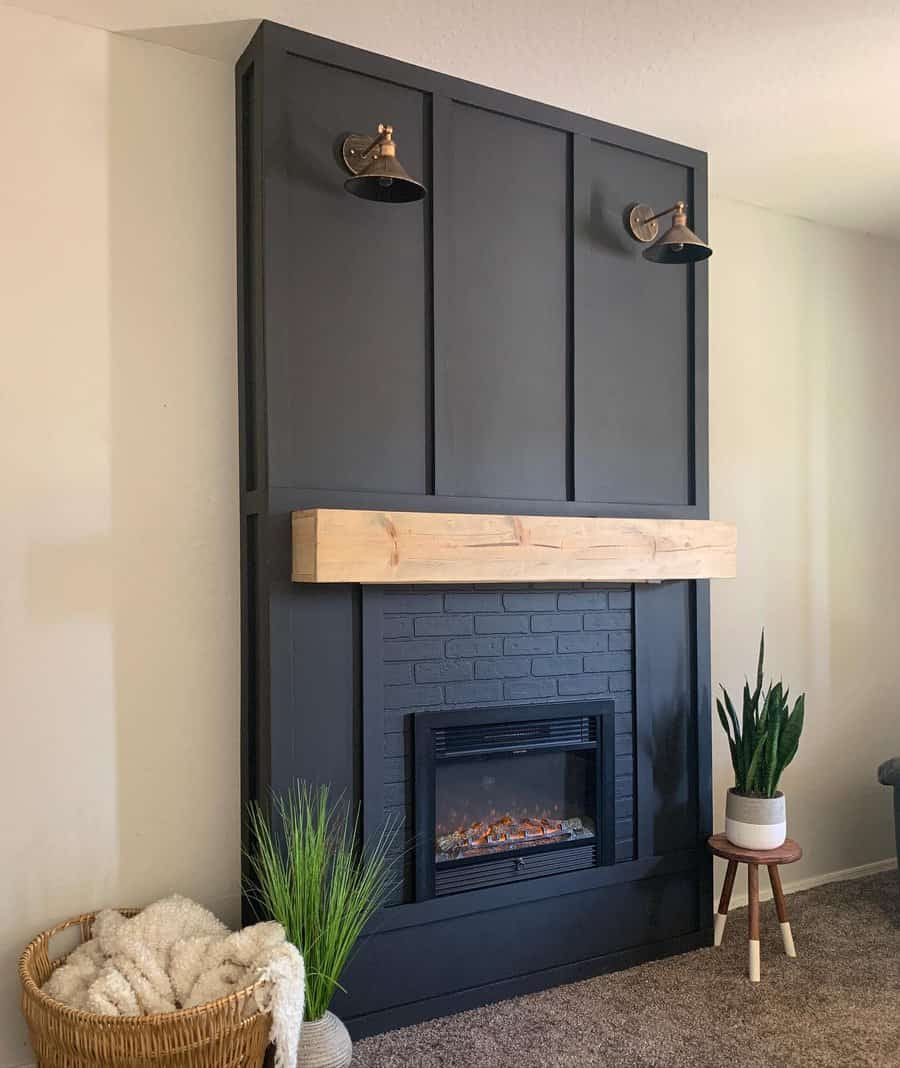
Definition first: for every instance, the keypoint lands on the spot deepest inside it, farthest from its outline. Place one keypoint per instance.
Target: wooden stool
(784, 854)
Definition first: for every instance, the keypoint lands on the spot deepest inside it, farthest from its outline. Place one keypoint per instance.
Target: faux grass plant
(766, 739)
(308, 872)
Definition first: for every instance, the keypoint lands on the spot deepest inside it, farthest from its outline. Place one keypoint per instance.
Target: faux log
(370, 547)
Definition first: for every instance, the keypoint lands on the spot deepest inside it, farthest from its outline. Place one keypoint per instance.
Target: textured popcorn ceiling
(793, 100)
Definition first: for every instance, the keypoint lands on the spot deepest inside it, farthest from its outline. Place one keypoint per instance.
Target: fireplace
(475, 546)
(512, 793)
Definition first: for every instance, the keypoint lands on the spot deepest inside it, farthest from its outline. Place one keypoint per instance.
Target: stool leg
(753, 894)
(722, 915)
(781, 909)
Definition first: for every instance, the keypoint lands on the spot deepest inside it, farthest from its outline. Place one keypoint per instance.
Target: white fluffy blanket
(175, 954)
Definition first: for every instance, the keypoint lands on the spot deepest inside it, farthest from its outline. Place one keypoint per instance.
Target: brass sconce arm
(358, 155)
(679, 207)
(678, 244)
(376, 172)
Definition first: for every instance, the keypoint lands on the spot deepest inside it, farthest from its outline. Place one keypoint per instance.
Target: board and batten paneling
(502, 339)
(428, 358)
(350, 545)
(634, 368)
(501, 262)
(347, 289)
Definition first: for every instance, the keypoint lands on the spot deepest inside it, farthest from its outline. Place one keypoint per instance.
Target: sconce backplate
(353, 150)
(640, 225)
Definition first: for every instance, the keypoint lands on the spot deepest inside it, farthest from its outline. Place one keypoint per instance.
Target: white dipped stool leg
(718, 927)
(781, 908)
(754, 961)
(788, 939)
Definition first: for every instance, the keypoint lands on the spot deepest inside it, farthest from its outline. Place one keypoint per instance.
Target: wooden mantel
(348, 545)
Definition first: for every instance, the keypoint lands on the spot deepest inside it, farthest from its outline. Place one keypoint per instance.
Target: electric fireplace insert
(510, 793)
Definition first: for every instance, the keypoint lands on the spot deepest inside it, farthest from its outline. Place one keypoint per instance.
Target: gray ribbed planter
(755, 822)
(324, 1043)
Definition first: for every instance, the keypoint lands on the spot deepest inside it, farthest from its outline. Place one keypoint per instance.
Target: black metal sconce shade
(377, 173)
(679, 244)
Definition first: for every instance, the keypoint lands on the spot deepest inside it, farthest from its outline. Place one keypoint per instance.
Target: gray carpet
(838, 1004)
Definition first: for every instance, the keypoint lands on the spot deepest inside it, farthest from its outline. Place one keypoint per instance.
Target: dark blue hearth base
(512, 941)
(473, 997)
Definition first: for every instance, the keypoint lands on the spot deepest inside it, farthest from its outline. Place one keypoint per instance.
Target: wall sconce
(377, 173)
(677, 245)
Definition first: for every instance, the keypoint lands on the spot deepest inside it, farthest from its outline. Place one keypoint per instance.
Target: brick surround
(464, 647)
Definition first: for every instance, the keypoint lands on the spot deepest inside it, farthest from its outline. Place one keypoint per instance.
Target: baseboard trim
(793, 886)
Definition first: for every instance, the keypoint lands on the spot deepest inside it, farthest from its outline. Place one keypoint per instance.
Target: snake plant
(765, 740)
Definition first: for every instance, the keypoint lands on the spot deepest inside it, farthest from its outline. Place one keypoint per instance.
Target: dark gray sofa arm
(889, 772)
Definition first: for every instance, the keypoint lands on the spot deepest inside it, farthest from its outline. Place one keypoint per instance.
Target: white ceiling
(795, 100)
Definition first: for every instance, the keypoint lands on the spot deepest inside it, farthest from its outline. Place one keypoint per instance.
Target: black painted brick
(624, 851)
(502, 624)
(583, 643)
(395, 795)
(398, 673)
(529, 602)
(425, 649)
(543, 627)
(530, 644)
(623, 786)
(624, 829)
(576, 685)
(475, 647)
(472, 692)
(585, 599)
(556, 622)
(607, 620)
(394, 745)
(412, 696)
(529, 689)
(398, 627)
(444, 671)
(447, 625)
(607, 662)
(394, 769)
(473, 602)
(624, 764)
(570, 664)
(411, 603)
(398, 721)
(508, 667)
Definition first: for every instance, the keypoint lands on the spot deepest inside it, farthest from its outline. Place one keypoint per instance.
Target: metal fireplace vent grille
(512, 869)
(504, 737)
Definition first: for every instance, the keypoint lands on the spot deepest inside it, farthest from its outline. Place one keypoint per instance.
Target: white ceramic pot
(324, 1043)
(755, 822)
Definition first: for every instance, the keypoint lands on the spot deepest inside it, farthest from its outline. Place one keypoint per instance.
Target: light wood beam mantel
(348, 545)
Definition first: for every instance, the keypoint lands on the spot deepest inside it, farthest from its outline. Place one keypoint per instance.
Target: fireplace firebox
(512, 793)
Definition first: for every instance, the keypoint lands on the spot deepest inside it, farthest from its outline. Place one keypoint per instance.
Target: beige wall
(118, 546)
(804, 439)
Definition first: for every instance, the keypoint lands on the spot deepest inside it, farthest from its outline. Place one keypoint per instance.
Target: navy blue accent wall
(500, 347)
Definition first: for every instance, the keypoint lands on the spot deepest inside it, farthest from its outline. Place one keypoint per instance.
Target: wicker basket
(216, 1035)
